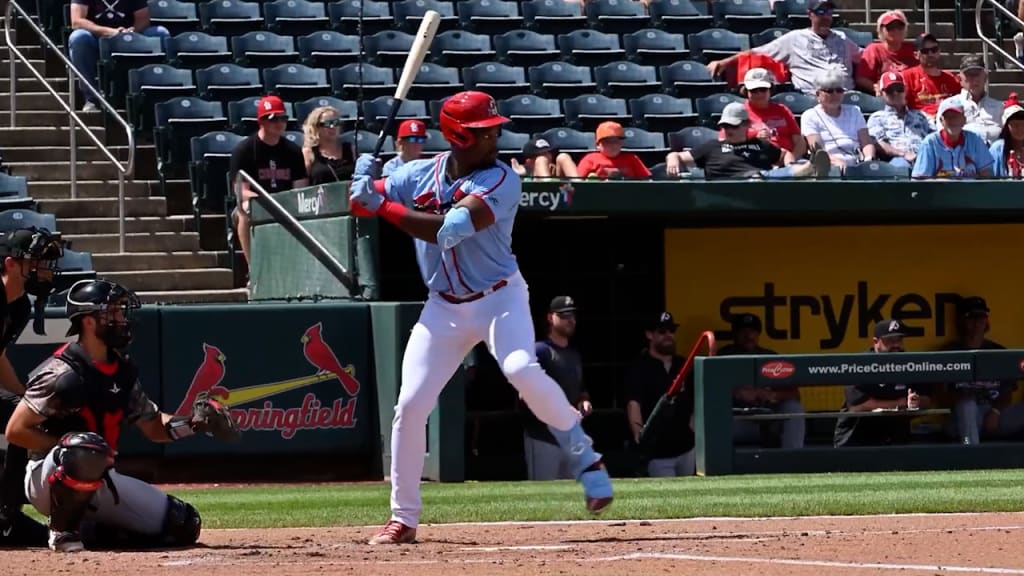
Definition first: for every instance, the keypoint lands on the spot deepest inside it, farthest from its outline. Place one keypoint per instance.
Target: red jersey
(627, 163)
(877, 59)
(925, 92)
(778, 119)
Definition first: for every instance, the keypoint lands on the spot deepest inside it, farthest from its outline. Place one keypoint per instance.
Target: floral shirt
(904, 133)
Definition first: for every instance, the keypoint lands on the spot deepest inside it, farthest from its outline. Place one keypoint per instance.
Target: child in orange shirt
(610, 161)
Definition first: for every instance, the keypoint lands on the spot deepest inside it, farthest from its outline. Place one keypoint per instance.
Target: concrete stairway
(165, 260)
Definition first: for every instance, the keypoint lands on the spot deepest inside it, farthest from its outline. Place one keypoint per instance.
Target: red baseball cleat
(394, 532)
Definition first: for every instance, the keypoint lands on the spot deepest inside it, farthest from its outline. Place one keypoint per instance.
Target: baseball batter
(460, 208)
(70, 420)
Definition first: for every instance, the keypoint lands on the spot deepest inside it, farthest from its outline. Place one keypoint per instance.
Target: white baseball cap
(758, 78)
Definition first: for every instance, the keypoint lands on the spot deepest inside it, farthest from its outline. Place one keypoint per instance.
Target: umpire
(29, 258)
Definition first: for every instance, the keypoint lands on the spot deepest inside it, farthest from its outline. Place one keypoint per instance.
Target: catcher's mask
(110, 304)
(41, 249)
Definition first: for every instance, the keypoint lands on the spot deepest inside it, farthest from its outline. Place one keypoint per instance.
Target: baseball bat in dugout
(663, 415)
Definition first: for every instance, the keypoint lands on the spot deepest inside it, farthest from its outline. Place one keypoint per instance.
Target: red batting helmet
(467, 110)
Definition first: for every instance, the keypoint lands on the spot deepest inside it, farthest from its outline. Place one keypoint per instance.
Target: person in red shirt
(892, 53)
(928, 84)
(769, 120)
(610, 161)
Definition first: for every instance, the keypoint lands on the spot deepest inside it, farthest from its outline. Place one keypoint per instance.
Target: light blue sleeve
(501, 189)
(999, 167)
(390, 166)
(400, 185)
(979, 151)
(925, 165)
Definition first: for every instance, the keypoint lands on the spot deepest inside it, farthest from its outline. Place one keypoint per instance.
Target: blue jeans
(784, 172)
(85, 52)
(901, 162)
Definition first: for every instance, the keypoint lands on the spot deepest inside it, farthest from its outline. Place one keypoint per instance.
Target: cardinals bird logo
(320, 355)
(206, 379)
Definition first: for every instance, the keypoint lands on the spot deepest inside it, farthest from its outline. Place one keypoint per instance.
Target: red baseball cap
(890, 78)
(269, 105)
(412, 128)
(890, 17)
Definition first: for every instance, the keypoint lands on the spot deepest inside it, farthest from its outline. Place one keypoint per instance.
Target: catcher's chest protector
(97, 401)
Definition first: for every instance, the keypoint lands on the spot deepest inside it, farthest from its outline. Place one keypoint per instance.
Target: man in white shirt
(983, 112)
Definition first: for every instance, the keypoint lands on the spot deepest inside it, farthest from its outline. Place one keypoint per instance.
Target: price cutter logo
(311, 415)
(777, 370)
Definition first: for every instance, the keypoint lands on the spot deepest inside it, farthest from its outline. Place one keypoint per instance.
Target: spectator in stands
(545, 460)
(981, 408)
(897, 130)
(892, 53)
(541, 160)
(1008, 151)
(838, 129)
(983, 112)
(646, 381)
(742, 155)
(269, 158)
(772, 121)
(927, 83)
(953, 152)
(412, 134)
(327, 159)
(857, 431)
(808, 51)
(609, 161)
(746, 331)
(94, 19)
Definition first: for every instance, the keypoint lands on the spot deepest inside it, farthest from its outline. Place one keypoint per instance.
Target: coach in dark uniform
(881, 430)
(544, 458)
(29, 260)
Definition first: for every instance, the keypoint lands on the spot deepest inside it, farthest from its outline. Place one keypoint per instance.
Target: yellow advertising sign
(822, 289)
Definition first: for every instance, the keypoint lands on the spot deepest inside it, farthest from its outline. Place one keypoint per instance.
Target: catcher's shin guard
(181, 527)
(83, 459)
(586, 466)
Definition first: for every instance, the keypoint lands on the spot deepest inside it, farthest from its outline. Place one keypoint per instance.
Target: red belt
(475, 296)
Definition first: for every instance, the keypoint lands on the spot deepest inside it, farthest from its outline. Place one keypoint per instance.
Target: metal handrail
(986, 41)
(123, 170)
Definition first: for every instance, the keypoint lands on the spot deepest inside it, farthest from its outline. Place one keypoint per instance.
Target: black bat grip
(388, 122)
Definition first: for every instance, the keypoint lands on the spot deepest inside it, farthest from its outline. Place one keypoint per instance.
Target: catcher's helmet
(88, 297)
(467, 110)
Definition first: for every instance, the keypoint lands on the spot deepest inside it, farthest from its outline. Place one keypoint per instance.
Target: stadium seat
(151, 84)
(691, 79)
(176, 121)
(626, 79)
(352, 80)
(716, 43)
(587, 111)
(531, 114)
(263, 49)
(792, 14)
(366, 141)
(552, 16)
(653, 47)
(489, 17)
(14, 218)
(692, 137)
(376, 111)
(210, 158)
(497, 79)
(433, 82)
(224, 82)
(569, 140)
(230, 17)
(679, 16)
(649, 146)
(709, 108)
(525, 48)
(295, 17)
(344, 16)
(327, 49)
(660, 172)
(118, 55)
(435, 143)
(662, 112)
(590, 48)
(242, 115)
(766, 36)
(459, 49)
(347, 109)
(560, 80)
(616, 16)
(74, 266)
(744, 16)
(511, 143)
(388, 48)
(197, 50)
(296, 82)
(867, 103)
(409, 13)
(176, 16)
(875, 170)
(797, 102)
(862, 39)
(295, 136)
(13, 185)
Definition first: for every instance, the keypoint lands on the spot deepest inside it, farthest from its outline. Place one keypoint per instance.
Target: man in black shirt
(646, 381)
(29, 257)
(269, 158)
(544, 458)
(981, 408)
(741, 155)
(746, 331)
(882, 430)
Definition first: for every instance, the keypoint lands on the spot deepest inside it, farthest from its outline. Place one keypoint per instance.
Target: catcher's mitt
(213, 419)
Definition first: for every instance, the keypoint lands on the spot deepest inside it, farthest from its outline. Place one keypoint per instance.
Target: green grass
(749, 496)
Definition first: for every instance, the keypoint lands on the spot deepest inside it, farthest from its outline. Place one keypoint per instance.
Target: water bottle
(1014, 165)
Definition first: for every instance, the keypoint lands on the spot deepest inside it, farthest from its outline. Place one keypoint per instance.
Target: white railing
(988, 42)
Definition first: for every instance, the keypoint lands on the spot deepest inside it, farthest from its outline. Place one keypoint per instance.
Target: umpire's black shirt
(565, 367)
(15, 317)
(646, 382)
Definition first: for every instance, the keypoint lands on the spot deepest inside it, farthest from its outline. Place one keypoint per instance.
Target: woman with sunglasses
(412, 134)
(771, 121)
(327, 160)
(892, 53)
(834, 127)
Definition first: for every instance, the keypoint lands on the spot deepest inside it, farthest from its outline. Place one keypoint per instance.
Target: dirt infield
(908, 545)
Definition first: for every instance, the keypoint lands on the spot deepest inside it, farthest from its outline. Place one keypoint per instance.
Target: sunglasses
(332, 123)
(276, 117)
(832, 90)
(895, 26)
(932, 50)
(822, 11)
(415, 139)
(895, 90)
(565, 315)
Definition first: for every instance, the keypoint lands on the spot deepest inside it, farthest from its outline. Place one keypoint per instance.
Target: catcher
(70, 419)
